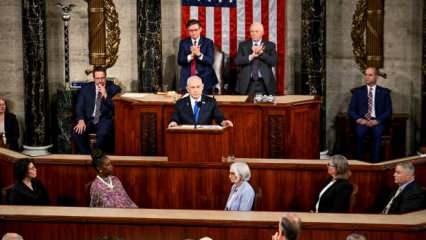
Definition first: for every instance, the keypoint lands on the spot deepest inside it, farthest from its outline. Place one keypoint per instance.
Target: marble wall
(402, 54)
(11, 62)
(403, 41)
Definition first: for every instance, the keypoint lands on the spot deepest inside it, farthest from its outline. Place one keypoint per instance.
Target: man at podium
(197, 108)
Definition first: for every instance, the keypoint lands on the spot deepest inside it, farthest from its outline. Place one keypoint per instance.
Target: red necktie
(194, 63)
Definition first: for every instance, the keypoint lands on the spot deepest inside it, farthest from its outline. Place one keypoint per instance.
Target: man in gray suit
(256, 57)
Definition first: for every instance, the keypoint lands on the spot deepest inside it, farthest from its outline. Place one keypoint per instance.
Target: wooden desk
(288, 129)
(153, 182)
(209, 143)
(52, 223)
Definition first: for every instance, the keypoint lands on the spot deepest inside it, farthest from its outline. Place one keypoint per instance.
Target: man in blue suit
(196, 56)
(370, 108)
(94, 112)
(197, 108)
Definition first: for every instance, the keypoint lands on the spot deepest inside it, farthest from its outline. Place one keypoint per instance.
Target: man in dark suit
(409, 196)
(95, 111)
(371, 109)
(197, 108)
(196, 57)
(256, 57)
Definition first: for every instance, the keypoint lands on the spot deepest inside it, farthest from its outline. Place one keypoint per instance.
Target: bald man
(256, 57)
(197, 108)
(12, 236)
(370, 108)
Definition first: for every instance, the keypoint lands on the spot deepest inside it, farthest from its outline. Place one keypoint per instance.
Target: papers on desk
(293, 98)
(201, 127)
(231, 98)
(151, 97)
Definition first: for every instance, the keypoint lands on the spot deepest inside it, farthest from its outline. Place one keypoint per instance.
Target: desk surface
(415, 219)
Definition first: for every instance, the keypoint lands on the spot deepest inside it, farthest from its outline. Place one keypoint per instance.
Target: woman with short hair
(335, 196)
(106, 190)
(242, 194)
(27, 189)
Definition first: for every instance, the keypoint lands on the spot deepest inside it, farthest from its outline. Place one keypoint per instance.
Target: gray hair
(356, 236)
(193, 77)
(241, 169)
(342, 166)
(12, 236)
(408, 167)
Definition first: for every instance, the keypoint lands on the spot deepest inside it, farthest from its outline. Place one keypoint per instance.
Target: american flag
(227, 23)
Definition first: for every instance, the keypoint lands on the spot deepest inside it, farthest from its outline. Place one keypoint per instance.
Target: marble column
(423, 117)
(35, 72)
(313, 55)
(149, 45)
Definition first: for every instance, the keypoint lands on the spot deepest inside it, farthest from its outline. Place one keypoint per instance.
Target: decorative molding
(148, 126)
(367, 34)
(112, 31)
(359, 23)
(276, 136)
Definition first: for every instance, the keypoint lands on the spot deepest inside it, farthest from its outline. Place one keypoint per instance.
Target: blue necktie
(196, 112)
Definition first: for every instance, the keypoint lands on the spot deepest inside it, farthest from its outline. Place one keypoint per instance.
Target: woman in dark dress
(335, 196)
(9, 128)
(27, 190)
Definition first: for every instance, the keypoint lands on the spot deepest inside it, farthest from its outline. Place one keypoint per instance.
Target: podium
(205, 143)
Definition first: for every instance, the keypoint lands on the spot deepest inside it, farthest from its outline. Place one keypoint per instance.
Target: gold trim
(96, 10)
(359, 23)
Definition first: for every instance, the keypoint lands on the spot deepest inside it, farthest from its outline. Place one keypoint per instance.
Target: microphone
(197, 114)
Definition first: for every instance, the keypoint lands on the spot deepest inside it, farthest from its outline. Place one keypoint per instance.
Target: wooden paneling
(53, 223)
(198, 145)
(260, 130)
(152, 182)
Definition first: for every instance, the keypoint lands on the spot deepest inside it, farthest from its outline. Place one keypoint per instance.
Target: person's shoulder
(358, 89)
(245, 42)
(10, 115)
(182, 100)
(269, 43)
(384, 89)
(208, 99)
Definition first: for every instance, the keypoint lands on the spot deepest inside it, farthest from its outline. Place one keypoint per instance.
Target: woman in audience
(336, 194)
(106, 190)
(9, 129)
(27, 189)
(241, 196)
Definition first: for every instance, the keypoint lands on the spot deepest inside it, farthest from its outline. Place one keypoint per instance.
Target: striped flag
(227, 23)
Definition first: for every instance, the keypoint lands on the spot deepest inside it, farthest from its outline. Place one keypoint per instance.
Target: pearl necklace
(108, 184)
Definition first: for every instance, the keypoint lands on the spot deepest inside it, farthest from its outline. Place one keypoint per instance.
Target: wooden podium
(205, 143)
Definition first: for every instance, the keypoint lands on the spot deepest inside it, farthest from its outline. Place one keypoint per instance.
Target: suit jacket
(382, 104)
(266, 61)
(209, 111)
(204, 66)
(11, 128)
(20, 194)
(243, 199)
(412, 198)
(336, 198)
(86, 101)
